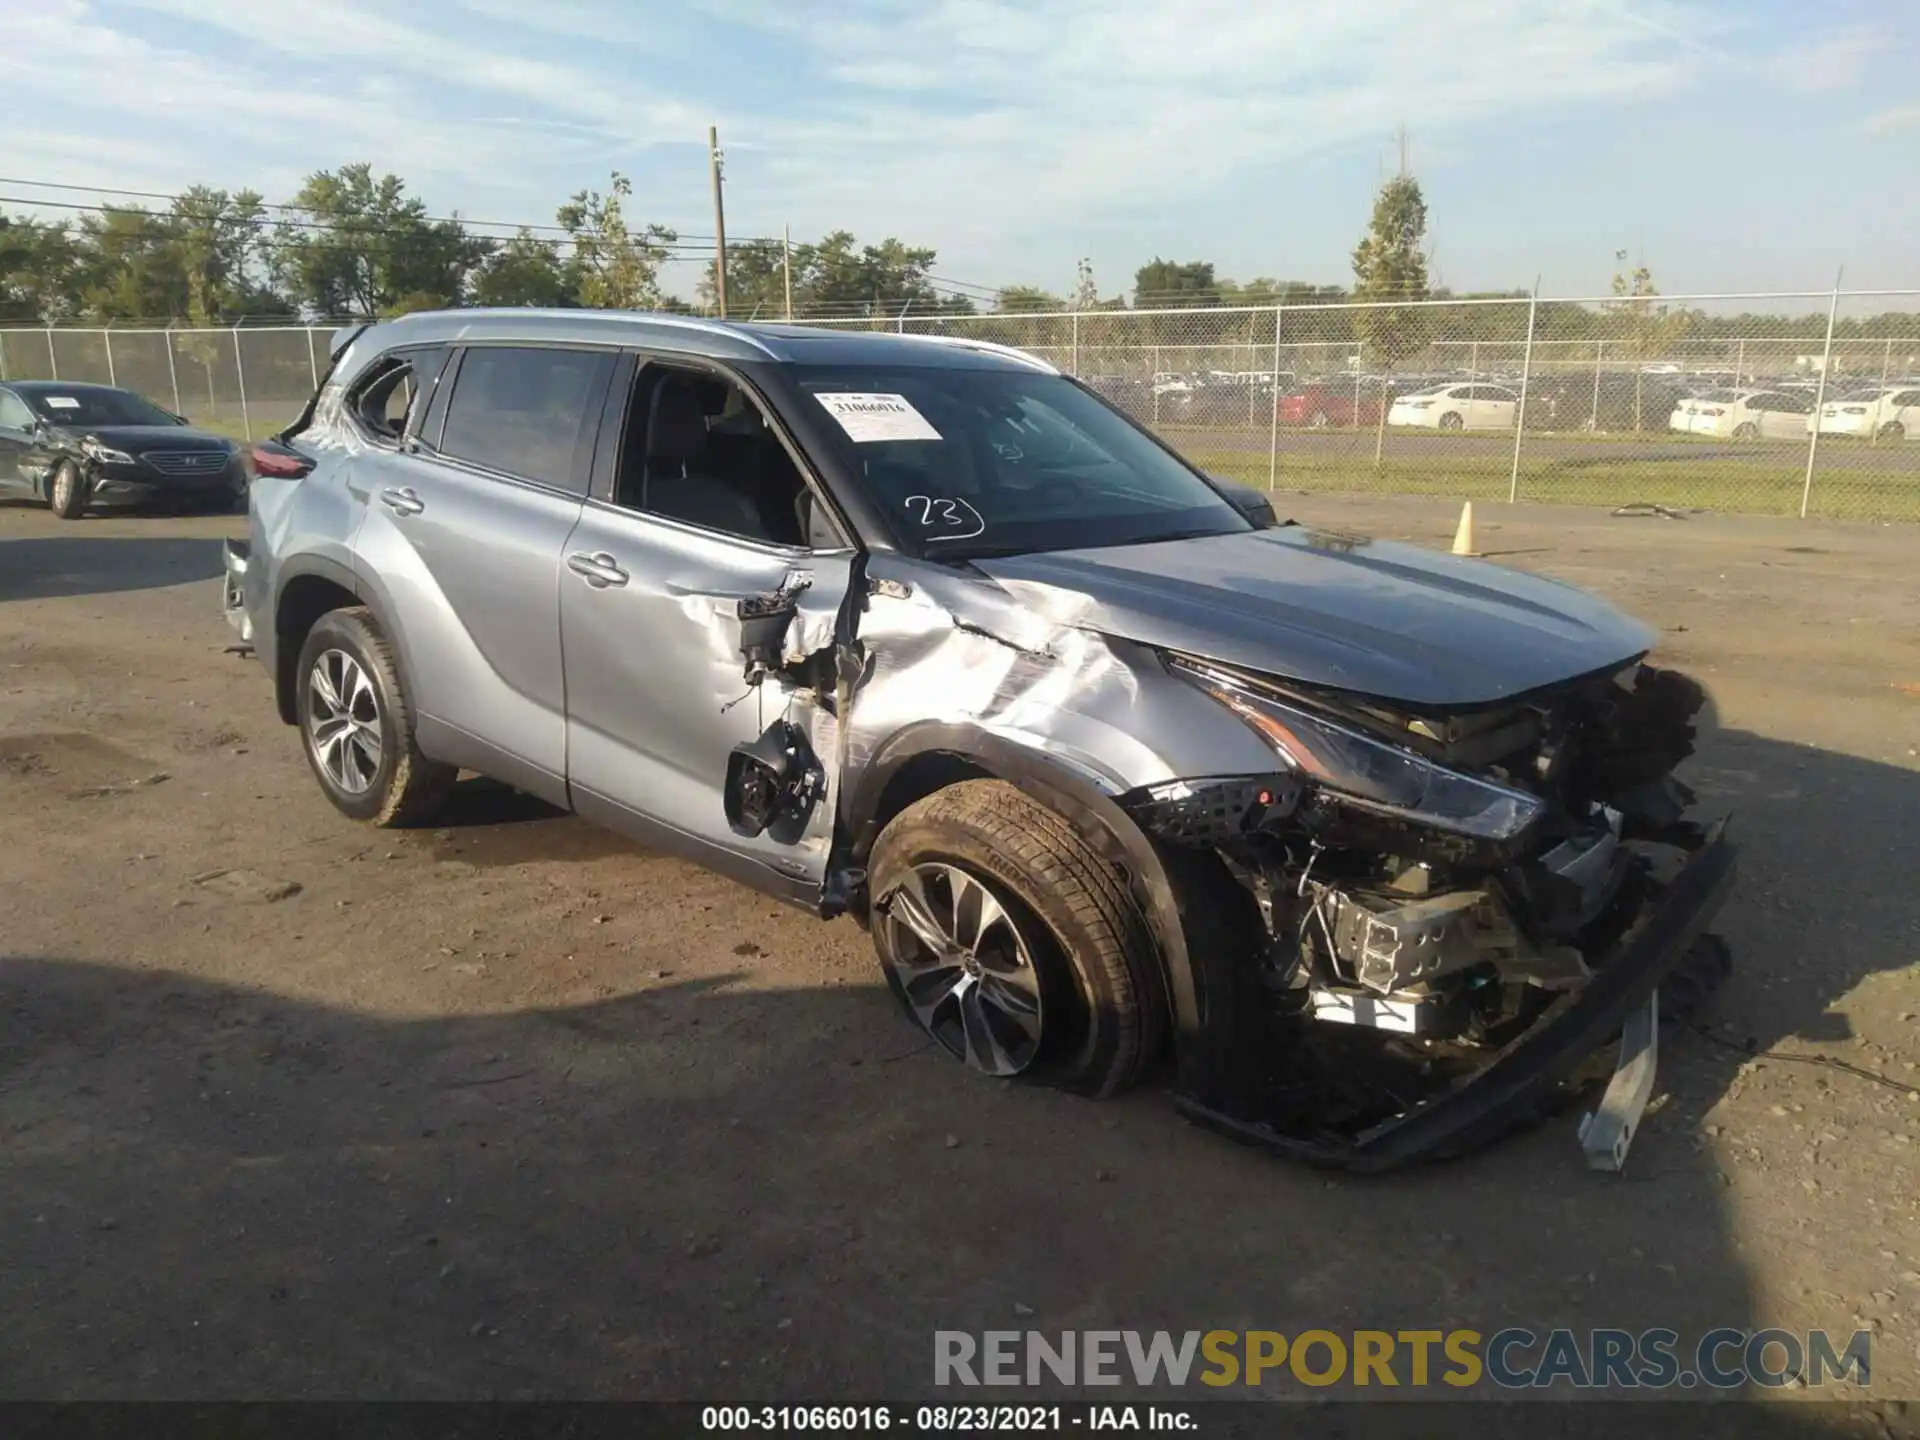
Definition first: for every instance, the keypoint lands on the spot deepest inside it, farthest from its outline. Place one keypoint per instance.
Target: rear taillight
(280, 462)
(1710, 410)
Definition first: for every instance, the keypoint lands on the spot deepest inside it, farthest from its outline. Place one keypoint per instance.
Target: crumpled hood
(1373, 617)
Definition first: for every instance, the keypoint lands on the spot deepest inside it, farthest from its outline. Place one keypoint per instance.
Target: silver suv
(1375, 844)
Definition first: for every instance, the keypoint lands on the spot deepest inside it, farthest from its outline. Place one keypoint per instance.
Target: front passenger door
(705, 507)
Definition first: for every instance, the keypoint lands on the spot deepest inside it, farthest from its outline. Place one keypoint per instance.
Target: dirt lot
(293, 1108)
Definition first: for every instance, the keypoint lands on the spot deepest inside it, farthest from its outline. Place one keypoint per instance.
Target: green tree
(219, 238)
(756, 281)
(37, 265)
(1169, 284)
(613, 268)
(526, 270)
(1649, 328)
(1026, 300)
(366, 248)
(129, 266)
(1388, 267)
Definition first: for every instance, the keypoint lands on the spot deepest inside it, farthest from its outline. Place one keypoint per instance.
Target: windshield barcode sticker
(869, 419)
(62, 402)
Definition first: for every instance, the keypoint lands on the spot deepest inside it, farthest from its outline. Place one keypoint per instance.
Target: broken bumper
(1520, 1082)
(233, 589)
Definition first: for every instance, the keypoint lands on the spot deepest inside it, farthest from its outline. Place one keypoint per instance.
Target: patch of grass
(1768, 484)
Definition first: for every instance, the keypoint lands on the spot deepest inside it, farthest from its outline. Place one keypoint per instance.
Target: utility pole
(786, 266)
(714, 160)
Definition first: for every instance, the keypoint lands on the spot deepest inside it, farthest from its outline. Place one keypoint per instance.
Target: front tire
(67, 491)
(356, 725)
(1011, 942)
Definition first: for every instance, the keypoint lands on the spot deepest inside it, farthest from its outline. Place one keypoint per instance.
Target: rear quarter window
(528, 411)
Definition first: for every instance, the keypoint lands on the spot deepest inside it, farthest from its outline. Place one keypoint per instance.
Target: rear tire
(1452, 421)
(1893, 430)
(67, 491)
(1063, 927)
(356, 725)
(1746, 430)
(1320, 420)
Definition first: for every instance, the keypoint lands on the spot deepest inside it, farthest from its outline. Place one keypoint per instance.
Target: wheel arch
(925, 758)
(308, 588)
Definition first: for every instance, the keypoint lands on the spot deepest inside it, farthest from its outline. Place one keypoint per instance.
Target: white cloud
(1898, 120)
(1831, 62)
(995, 117)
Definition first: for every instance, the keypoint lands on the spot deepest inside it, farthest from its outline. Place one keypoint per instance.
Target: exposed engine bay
(1431, 885)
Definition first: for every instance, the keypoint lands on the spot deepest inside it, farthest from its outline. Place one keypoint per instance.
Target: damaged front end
(1454, 911)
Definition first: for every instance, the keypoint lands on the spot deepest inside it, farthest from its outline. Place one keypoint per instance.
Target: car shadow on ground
(711, 1188)
(56, 566)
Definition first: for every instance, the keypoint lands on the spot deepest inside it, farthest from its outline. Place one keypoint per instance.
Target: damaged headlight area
(1448, 923)
(1370, 774)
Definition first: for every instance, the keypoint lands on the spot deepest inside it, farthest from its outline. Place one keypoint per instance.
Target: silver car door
(466, 523)
(655, 576)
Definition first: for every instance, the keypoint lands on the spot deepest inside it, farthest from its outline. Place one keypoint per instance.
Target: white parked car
(1743, 414)
(1457, 407)
(1890, 412)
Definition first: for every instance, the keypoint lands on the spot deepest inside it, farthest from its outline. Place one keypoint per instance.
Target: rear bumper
(1516, 1084)
(233, 589)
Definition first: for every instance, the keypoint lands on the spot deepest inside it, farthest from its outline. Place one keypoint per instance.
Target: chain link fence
(1781, 404)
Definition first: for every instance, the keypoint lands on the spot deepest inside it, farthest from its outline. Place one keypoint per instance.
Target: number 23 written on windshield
(953, 519)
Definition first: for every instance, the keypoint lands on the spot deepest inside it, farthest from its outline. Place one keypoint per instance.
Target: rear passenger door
(467, 513)
(699, 503)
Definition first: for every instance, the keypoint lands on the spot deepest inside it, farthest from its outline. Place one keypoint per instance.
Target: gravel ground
(293, 1108)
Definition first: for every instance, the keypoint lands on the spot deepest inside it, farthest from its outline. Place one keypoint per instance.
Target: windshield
(971, 463)
(88, 406)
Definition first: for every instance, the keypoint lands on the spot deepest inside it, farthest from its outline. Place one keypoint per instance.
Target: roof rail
(1033, 362)
(649, 317)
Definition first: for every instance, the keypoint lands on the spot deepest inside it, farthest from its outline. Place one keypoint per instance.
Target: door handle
(598, 569)
(402, 501)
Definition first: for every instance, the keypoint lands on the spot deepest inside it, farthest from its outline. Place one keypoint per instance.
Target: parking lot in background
(513, 1107)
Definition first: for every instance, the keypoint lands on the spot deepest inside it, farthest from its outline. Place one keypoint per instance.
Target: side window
(385, 400)
(526, 410)
(14, 414)
(1906, 398)
(698, 449)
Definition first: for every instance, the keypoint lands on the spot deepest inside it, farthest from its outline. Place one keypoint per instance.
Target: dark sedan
(74, 446)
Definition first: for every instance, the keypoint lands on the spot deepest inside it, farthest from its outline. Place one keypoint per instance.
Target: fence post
(1740, 361)
(1153, 384)
(1820, 395)
(240, 371)
(112, 377)
(173, 373)
(1273, 424)
(53, 360)
(1599, 349)
(900, 325)
(1526, 374)
(313, 359)
(3, 356)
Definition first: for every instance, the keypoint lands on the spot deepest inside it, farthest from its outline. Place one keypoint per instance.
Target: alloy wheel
(62, 487)
(343, 721)
(966, 971)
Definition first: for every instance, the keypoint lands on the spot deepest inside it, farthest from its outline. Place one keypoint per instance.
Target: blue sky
(1750, 145)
